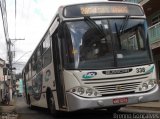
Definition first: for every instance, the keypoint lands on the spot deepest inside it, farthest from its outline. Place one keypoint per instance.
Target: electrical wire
(5, 26)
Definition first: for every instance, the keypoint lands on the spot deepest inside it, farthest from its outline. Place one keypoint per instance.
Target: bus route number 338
(140, 70)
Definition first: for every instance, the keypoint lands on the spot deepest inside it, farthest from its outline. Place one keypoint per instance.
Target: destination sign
(102, 9)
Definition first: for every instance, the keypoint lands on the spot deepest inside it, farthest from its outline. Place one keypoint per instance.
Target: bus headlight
(80, 90)
(147, 85)
(89, 91)
(144, 86)
(151, 83)
(85, 91)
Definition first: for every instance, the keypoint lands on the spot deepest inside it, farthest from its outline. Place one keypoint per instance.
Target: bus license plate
(120, 100)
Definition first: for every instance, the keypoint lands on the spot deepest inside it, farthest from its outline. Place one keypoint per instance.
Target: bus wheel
(51, 104)
(29, 102)
(113, 109)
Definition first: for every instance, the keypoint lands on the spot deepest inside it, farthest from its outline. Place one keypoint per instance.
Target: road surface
(38, 113)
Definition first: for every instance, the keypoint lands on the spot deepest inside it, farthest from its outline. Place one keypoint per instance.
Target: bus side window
(46, 51)
(34, 66)
(30, 69)
(39, 60)
(46, 43)
(26, 72)
(47, 58)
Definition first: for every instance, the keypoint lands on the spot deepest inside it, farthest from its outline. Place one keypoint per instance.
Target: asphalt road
(24, 112)
(38, 113)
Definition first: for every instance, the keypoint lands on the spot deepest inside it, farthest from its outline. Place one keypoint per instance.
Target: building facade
(19, 86)
(2, 64)
(152, 12)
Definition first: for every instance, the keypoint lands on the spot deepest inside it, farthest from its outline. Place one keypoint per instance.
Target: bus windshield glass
(105, 43)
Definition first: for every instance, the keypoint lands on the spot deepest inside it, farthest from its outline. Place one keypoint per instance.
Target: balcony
(154, 35)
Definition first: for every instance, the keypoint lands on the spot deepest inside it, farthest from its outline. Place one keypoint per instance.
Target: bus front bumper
(77, 103)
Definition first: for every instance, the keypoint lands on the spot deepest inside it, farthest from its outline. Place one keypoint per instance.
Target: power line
(5, 27)
(15, 9)
(15, 18)
(22, 56)
(4, 19)
(8, 41)
(27, 17)
(19, 63)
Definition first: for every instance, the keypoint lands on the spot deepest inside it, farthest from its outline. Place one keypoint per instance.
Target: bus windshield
(105, 43)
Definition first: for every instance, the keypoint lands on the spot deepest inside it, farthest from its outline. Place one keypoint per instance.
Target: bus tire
(51, 104)
(29, 102)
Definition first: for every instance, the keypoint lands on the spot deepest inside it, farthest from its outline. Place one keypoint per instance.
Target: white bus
(93, 55)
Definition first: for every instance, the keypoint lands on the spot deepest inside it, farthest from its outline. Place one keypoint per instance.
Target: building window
(156, 19)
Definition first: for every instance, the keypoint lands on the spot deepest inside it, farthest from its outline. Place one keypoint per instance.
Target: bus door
(58, 72)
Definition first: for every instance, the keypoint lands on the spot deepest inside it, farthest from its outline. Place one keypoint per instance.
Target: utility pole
(5, 27)
(11, 68)
(8, 41)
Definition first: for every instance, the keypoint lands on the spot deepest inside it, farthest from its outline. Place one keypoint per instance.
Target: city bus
(92, 56)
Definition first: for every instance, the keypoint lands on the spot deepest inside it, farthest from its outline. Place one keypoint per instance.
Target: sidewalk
(150, 106)
(8, 108)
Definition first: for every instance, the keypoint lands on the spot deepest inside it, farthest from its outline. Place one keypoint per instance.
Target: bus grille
(117, 88)
(116, 85)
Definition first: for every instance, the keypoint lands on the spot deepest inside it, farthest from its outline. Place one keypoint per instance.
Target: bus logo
(118, 87)
(89, 75)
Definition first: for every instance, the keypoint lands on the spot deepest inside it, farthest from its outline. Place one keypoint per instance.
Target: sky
(31, 22)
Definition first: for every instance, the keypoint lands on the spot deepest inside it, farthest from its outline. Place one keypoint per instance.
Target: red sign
(120, 100)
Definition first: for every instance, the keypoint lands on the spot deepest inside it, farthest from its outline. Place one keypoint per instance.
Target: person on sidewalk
(6, 98)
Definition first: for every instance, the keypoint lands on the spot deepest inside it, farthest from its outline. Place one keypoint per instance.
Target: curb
(7, 109)
(144, 108)
(138, 110)
(9, 116)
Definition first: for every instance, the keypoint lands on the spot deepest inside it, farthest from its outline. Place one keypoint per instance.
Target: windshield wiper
(121, 30)
(123, 25)
(92, 24)
(118, 35)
